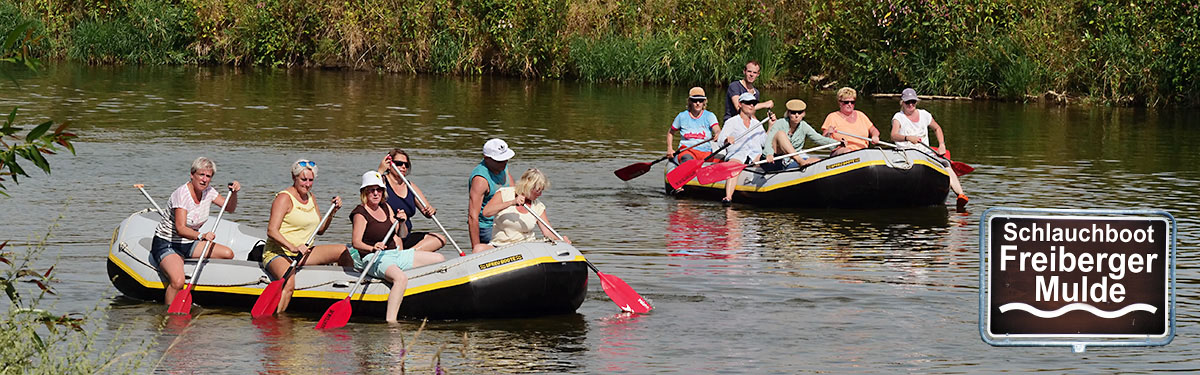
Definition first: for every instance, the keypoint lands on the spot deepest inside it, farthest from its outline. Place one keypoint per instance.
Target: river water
(736, 290)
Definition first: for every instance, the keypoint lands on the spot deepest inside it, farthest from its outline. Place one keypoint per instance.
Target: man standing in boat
(696, 127)
(488, 176)
(744, 85)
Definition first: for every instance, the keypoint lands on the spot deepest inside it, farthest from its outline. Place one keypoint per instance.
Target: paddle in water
(620, 292)
(268, 301)
(434, 217)
(183, 301)
(339, 313)
(635, 170)
(730, 169)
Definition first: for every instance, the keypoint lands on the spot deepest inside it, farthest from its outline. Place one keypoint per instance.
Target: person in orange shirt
(849, 120)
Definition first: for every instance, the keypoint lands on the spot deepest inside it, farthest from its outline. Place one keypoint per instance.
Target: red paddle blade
(719, 172)
(961, 168)
(268, 301)
(622, 294)
(336, 316)
(183, 301)
(632, 171)
(683, 173)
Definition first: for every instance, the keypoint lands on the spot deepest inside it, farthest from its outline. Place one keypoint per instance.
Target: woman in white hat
(371, 221)
(294, 217)
(910, 129)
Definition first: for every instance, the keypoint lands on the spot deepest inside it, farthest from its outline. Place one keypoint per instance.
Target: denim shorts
(160, 248)
(485, 235)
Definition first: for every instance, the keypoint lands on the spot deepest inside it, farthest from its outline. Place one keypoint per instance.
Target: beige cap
(796, 105)
(696, 93)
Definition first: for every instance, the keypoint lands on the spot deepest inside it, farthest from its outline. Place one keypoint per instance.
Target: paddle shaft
(797, 153)
(160, 210)
(676, 153)
(208, 246)
(893, 145)
(308, 243)
(426, 204)
(374, 260)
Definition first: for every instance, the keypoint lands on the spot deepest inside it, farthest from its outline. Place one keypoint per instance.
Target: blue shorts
(485, 235)
(399, 258)
(160, 248)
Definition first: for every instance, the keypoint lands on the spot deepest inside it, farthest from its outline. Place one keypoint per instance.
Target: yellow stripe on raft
(721, 185)
(339, 295)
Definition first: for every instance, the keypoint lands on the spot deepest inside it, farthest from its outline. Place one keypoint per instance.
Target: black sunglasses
(910, 102)
(750, 103)
(847, 101)
(401, 163)
(697, 100)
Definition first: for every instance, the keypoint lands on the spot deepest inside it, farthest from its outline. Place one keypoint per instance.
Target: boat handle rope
(124, 247)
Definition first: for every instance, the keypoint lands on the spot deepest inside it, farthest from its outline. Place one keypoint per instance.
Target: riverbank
(1139, 53)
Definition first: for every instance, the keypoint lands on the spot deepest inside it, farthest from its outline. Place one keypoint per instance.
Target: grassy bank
(1120, 52)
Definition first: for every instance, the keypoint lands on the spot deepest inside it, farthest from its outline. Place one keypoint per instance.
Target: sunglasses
(910, 102)
(847, 101)
(306, 163)
(401, 163)
(697, 100)
(750, 103)
(374, 189)
(795, 112)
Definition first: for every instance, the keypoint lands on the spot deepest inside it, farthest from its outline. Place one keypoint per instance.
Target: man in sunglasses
(696, 127)
(744, 85)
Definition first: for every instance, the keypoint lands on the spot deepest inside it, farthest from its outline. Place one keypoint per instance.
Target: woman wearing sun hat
(295, 216)
(371, 221)
(788, 134)
(911, 126)
(696, 126)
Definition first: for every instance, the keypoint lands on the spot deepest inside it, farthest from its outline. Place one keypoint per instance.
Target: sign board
(1077, 277)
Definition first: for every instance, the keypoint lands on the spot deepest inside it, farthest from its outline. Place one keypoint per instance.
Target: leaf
(12, 293)
(38, 131)
(13, 36)
(47, 274)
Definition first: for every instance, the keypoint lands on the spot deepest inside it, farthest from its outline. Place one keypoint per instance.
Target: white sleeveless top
(919, 129)
(511, 226)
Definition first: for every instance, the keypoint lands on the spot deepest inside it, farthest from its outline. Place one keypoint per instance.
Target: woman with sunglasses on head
(178, 236)
(294, 217)
(403, 196)
(371, 221)
(696, 126)
(910, 127)
(513, 222)
(849, 120)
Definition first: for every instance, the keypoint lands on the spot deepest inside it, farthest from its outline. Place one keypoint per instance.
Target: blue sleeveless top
(408, 204)
(495, 181)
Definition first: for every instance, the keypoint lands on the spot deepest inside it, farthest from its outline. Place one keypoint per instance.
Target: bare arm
(670, 142)
(220, 201)
(498, 204)
(479, 187)
(937, 129)
(181, 225)
(896, 137)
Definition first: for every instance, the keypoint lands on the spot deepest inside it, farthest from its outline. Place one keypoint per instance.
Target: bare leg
(482, 247)
(399, 283)
(172, 265)
(276, 268)
(424, 258)
(218, 251)
(330, 254)
(730, 185)
(431, 242)
(954, 184)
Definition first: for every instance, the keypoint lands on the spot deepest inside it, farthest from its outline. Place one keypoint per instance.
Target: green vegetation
(1126, 52)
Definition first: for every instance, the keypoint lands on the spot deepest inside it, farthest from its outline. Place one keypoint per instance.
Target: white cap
(372, 178)
(497, 150)
(747, 97)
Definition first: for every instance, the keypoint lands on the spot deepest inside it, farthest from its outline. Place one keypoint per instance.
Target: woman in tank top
(514, 223)
(371, 221)
(402, 196)
(910, 127)
(294, 216)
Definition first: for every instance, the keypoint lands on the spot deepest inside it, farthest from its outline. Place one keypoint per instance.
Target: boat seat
(255, 254)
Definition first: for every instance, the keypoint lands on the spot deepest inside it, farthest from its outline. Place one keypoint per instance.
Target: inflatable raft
(867, 178)
(525, 279)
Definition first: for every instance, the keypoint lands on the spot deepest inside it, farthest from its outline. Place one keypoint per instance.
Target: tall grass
(1116, 51)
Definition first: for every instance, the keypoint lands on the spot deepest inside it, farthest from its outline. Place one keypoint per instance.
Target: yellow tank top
(300, 222)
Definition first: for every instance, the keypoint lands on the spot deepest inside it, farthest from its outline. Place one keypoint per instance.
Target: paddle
(338, 314)
(160, 210)
(958, 167)
(730, 169)
(684, 172)
(183, 301)
(637, 169)
(435, 219)
(620, 292)
(268, 300)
